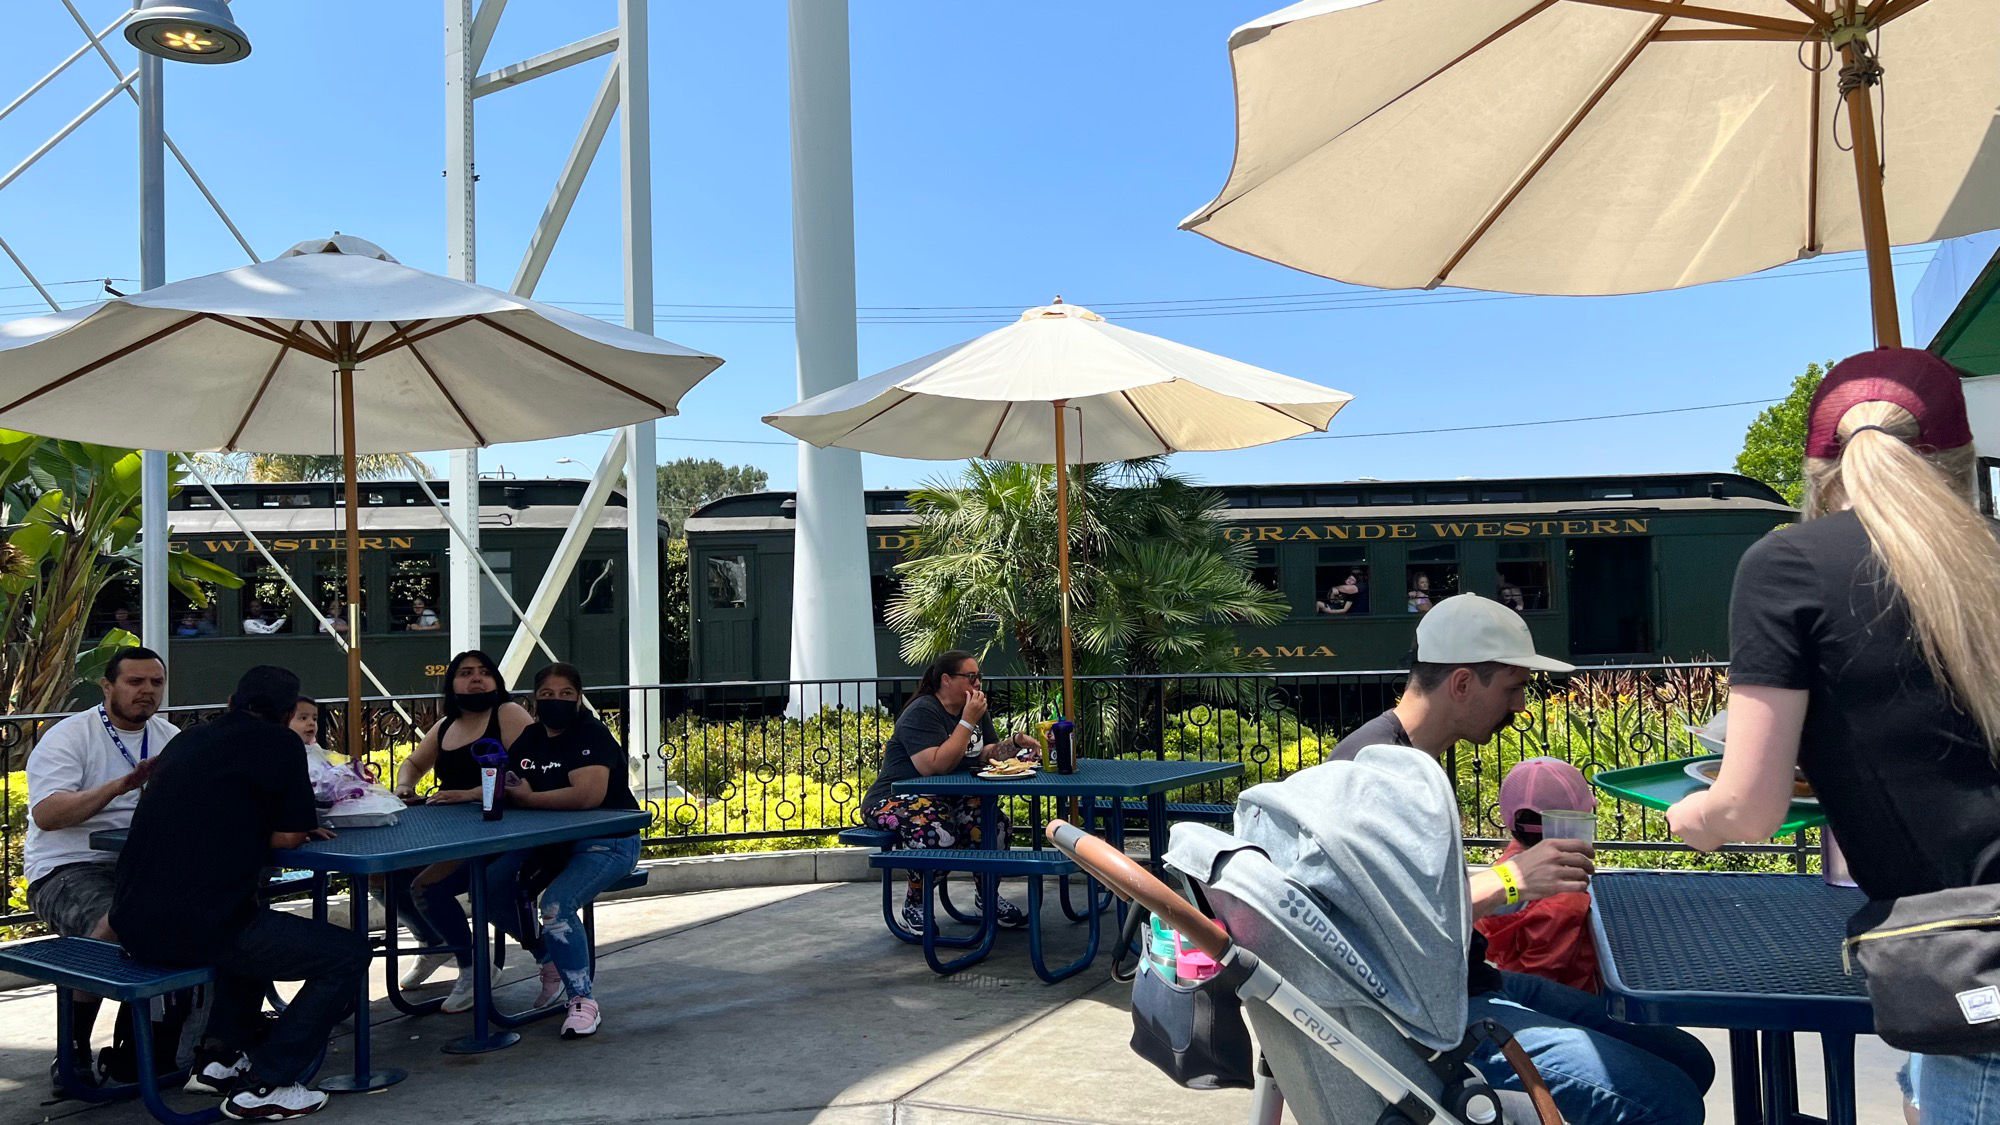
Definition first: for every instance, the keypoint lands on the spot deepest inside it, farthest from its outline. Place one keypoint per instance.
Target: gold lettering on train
(292, 546)
(1482, 529)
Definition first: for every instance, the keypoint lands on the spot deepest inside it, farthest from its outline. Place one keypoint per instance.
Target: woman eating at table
(566, 760)
(944, 729)
(477, 707)
(1865, 649)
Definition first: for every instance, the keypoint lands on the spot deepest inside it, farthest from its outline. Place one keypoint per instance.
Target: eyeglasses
(973, 676)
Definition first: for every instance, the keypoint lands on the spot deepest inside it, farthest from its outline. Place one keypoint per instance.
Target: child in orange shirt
(1548, 938)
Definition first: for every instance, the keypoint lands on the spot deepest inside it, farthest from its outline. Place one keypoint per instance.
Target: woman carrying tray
(1865, 649)
(943, 730)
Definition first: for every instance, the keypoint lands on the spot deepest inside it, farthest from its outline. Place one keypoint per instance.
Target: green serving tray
(1660, 784)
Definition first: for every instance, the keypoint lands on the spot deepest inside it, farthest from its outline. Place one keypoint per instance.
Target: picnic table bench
(1034, 863)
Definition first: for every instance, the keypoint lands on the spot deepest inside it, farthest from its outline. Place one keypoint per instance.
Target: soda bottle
(492, 760)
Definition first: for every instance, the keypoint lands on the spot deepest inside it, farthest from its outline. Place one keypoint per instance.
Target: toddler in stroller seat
(1346, 938)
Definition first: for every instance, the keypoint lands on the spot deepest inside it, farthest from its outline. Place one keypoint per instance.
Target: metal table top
(1728, 950)
(1094, 777)
(426, 834)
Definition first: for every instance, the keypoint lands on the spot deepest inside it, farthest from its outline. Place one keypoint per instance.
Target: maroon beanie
(1912, 378)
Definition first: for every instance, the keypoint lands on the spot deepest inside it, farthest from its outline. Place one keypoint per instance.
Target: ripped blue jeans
(593, 865)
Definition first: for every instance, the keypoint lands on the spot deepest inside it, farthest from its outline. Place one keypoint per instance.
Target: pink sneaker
(582, 1019)
(552, 985)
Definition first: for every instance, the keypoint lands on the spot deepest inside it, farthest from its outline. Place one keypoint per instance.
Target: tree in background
(1154, 586)
(279, 468)
(690, 482)
(674, 612)
(1774, 448)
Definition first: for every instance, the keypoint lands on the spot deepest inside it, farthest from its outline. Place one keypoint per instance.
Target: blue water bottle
(1063, 746)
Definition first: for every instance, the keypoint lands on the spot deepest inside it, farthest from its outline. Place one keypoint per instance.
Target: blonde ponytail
(1937, 550)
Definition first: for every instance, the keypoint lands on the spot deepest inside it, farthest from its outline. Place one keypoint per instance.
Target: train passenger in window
(566, 760)
(336, 617)
(423, 619)
(262, 620)
(208, 626)
(477, 708)
(1510, 594)
(1420, 593)
(945, 729)
(190, 625)
(1339, 597)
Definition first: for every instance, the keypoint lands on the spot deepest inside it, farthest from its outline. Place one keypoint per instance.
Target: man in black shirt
(1473, 661)
(186, 894)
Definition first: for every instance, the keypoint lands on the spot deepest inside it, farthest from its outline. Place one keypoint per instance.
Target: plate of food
(1706, 771)
(1712, 733)
(1008, 767)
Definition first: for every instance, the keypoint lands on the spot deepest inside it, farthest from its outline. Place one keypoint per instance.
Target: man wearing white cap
(1469, 679)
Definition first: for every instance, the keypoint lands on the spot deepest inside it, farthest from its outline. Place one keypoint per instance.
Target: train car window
(1663, 491)
(1448, 496)
(1281, 500)
(116, 607)
(1338, 499)
(883, 586)
(1340, 582)
(189, 621)
(596, 592)
(1502, 495)
(1989, 485)
(374, 498)
(1238, 500)
(493, 609)
(1524, 576)
(728, 581)
(330, 592)
(1264, 568)
(200, 500)
(1393, 498)
(1619, 493)
(267, 601)
(1432, 576)
(416, 592)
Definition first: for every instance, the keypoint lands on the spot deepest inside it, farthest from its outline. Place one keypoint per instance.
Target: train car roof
(388, 505)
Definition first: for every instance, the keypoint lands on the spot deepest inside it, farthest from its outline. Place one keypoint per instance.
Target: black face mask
(558, 714)
(480, 701)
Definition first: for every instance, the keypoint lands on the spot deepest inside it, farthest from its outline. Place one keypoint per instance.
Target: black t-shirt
(456, 768)
(923, 724)
(201, 837)
(1387, 730)
(544, 760)
(1903, 775)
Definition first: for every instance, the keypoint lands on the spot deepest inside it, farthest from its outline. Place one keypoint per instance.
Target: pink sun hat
(1538, 784)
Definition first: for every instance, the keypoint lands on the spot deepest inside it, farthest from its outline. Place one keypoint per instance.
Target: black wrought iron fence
(756, 764)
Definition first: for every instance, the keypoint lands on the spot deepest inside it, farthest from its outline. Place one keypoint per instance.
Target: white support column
(153, 541)
(832, 635)
(460, 66)
(642, 509)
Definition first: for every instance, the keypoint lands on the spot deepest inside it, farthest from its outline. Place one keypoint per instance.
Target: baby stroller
(1344, 896)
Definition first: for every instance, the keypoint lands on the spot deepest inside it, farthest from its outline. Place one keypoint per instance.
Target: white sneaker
(462, 992)
(218, 1078)
(552, 985)
(259, 1103)
(582, 1019)
(424, 968)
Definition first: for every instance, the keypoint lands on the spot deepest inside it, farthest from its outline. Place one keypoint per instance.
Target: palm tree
(1154, 587)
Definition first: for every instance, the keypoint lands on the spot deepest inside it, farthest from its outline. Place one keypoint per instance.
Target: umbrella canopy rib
(1165, 445)
(1814, 12)
(665, 410)
(1811, 245)
(907, 396)
(1549, 150)
(411, 336)
(262, 385)
(1723, 35)
(446, 392)
(332, 349)
(1676, 9)
(101, 361)
(995, 435)
(275, 333)
(1886, 10)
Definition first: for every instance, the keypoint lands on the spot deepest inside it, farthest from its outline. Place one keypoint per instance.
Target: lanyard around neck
(145, 736)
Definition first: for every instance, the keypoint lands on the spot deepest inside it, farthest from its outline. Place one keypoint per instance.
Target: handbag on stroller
(1347, 918)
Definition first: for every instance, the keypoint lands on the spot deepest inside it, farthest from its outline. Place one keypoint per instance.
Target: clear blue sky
(1003, 154)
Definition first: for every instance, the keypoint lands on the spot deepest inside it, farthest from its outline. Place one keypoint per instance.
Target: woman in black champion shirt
(1865, 649)
(566, 760)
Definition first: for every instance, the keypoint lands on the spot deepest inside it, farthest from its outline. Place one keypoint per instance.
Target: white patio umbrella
(1607, 146)
(333, 347)
(1021, 392)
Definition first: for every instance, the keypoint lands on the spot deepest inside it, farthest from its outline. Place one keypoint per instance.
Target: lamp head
(197, 31)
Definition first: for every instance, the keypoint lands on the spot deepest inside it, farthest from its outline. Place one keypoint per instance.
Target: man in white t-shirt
(84, 776)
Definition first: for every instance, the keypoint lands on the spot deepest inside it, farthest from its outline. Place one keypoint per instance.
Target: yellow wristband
(1508, 882)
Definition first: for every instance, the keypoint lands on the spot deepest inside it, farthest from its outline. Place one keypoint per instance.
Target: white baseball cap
(1469, 629)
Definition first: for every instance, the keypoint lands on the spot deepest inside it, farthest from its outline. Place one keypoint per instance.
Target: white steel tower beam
(461, 64)
(642, 508)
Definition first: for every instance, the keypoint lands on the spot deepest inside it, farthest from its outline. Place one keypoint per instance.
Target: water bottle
(492, 759)
(1063, 739)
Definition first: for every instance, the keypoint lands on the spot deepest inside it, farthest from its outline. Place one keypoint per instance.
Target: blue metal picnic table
(1758, 955)
(423, 835)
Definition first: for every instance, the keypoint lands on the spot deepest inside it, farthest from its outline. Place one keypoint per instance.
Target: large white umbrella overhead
(1607, 146)
(333, 347)
(1062, 386)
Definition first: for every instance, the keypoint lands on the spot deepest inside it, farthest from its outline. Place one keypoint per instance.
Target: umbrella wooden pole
(354, 744)
(1874, 212)
(1062, 561)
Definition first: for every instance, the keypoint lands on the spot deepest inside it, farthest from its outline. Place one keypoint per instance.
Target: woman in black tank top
(476, 707)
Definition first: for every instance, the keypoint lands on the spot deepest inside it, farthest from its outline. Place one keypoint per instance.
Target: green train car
(1605, 569)
(406, 610)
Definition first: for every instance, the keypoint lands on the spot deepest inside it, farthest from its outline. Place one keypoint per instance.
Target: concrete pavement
(773, 1006)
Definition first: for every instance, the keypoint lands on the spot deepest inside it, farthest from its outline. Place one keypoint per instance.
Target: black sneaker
(1010, 917)
(913, 916)
(260, 1103)
(84, 1072)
